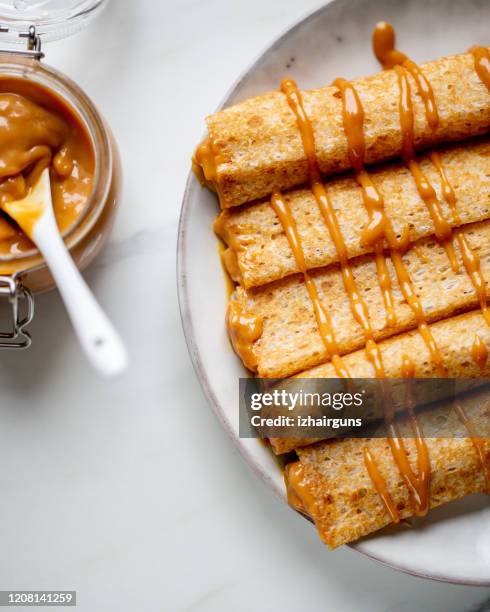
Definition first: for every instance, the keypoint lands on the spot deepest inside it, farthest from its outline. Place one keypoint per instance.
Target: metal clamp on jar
(23, 271)
(21, 305)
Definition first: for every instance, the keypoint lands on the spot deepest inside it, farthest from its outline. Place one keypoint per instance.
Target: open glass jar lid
(54, 19)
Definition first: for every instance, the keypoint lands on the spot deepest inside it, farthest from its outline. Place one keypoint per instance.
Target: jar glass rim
(81, 105)
(52, 20)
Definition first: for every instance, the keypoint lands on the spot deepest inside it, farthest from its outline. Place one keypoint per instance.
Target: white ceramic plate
(453, 543)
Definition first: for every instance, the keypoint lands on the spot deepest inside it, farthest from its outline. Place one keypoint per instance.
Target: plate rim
(192, 344)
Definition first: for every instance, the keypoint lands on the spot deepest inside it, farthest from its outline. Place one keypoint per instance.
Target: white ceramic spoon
(99, 339)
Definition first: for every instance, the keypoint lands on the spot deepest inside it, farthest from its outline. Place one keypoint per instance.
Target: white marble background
(129, 492)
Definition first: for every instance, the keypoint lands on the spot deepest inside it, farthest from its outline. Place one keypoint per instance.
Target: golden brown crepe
(259, 251)
(257, 149)
(455, 338)
(335, 489)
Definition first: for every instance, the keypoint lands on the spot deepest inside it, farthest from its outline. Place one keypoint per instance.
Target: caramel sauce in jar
(38, 130)
(46, 120)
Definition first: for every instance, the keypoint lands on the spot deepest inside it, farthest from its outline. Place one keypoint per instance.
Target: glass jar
(22, 275)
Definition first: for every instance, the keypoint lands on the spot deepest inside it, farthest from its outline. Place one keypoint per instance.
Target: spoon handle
(96, 334)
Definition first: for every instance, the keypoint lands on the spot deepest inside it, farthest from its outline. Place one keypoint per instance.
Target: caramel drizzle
(390, 57)
(418, 484)
(353, 117)
(244, 329)
(415, 304)
(471, 260)
(477, 441)
(408, 367)
(205, 158)
(358, 306)
(205, 162)
(324, 322)
(299, 495)
(479, 352)
(481, 56)
(380, 485)
(379, 224)
(442, 229)
(228, 265)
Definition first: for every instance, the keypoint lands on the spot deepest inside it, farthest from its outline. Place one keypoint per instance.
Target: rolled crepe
(455, 339)
(337, 492)
(258, 249)
(290, 340)
(254, 148)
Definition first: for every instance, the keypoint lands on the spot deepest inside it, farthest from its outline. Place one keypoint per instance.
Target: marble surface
(129, 492)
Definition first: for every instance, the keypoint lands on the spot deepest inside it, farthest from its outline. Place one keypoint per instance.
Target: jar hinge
(33, 43)
(21, 310)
